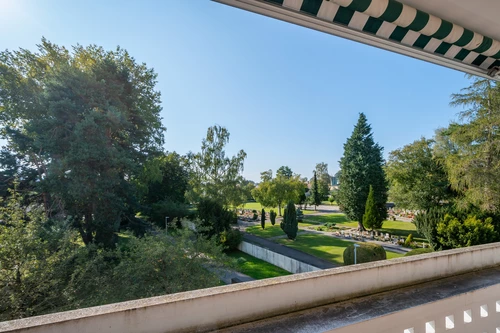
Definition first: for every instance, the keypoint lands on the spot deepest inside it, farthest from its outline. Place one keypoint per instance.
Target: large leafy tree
(284, 171)
(323, 180)
(418, 180)
(362, 166)
(86, 120)
(213, 174)
(272, 192)
(471, 148)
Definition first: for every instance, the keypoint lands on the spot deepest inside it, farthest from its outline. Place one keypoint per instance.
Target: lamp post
(355, 247)
(166, 223)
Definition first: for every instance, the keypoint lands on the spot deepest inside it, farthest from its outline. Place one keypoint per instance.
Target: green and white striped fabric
(392, 20)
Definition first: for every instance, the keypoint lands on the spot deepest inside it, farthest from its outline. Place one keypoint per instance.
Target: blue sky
(288, 95)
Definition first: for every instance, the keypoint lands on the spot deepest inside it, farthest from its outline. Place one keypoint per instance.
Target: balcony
(450, 291)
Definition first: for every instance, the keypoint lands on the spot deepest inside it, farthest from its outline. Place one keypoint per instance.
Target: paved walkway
(289, 252)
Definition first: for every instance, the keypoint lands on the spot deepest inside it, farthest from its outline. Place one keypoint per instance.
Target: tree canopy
(418, 180)
(213, 174)
(362, 166)
(86, 120)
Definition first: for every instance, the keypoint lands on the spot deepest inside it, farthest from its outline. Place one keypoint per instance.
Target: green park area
(256, 268)
(396, 228)
(324, 247)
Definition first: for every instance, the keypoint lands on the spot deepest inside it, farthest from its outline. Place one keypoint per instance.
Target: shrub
(255, 216)
(263, 219)
(230, 239)
(426, 223)
(290, 225)
(453, 233)
(367, 252)
(272, 216)
(214, 218)
(174, 210)
(371, 218)
(409, 240)
(415, 252)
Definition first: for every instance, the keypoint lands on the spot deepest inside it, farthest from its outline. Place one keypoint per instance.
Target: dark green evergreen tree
(361, 165)
(371, 219)
(316, 196)
(272, 216)
(289, 224)
(263, 219)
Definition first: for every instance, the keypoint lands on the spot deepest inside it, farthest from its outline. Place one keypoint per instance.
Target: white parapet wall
(289, 264)
(209, 309)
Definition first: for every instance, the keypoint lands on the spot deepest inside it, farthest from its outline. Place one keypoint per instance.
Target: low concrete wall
(287, 263)
(213, 308)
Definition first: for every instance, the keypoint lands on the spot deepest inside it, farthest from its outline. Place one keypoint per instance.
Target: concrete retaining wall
(209, 309)
(287, 263)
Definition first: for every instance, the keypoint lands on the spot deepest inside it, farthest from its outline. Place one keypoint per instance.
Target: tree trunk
(361, 227)
(279, 209)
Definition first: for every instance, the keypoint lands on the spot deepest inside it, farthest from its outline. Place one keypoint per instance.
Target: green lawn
(325, 247)
(258, 207)
(272, 230)
(256, 268)
(397, 228)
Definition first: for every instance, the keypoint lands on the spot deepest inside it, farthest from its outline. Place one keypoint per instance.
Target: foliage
(172, 182)
(371, 218)
(409, 240)
(276, 191)
(361, 165)
(453, 232)
(175, 212)
(418, 180)
(214, 218)
(28, 261)
(263, 219)
(426, 223)
(323, 180)
(284, 172)
(231, 238)
(366, 252)
(86, 121)
(272, 216)
(331, 199)
(415, 252)
(215, 176)
(471, 149)
(315, 192)
(290, 225)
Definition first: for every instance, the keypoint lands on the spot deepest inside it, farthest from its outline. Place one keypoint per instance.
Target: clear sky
(288, 95)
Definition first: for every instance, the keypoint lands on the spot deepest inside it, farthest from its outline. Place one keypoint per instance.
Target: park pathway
(289, 252)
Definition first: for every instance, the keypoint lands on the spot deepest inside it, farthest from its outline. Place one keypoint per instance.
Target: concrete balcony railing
(450, 291)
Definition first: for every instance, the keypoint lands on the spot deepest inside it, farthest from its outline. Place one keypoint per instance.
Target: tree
(272, 192)
(214, 218)
(172, 184)
(418, 180)
(285, 172)
(272, 216)
(289, 224)
(361, 165)
(321, 172)
(315, 195)
(214, 175)
(371, 218)
(86, 120)
(263, 219)
(471, 148)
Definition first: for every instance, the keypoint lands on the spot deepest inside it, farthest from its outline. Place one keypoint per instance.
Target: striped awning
(391, 25)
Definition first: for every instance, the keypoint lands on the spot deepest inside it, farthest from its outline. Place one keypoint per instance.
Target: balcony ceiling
(459, 34)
